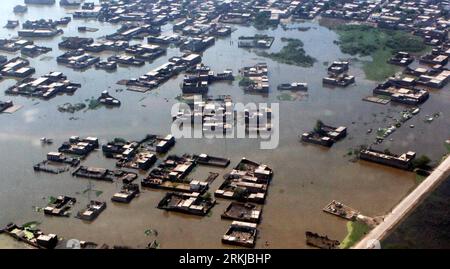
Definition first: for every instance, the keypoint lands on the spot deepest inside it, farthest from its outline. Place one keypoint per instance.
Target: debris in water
(150, 232)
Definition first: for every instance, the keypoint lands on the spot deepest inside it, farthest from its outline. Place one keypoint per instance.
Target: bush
(262, 21)
(318, 127)
(240, 194)
(245, 82)
(421, 162)
(207, 196)
(120, 140)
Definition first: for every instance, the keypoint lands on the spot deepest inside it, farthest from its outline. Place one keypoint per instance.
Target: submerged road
(372, 239)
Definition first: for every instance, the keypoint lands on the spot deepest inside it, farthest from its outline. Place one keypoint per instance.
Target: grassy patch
(52, 199)
(447, 145)
(355, 231)
(419, 178)
(378, 69)
(292, 53)
(285, 97)
(380, 44)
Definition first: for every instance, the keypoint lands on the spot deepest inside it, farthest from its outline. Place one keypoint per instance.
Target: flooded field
(427, 226)
(306, 177)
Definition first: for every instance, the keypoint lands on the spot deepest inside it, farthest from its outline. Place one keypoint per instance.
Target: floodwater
(306, 177)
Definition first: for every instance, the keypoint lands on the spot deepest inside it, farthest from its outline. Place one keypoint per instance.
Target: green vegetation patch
(447, 145)
(52, 199)
(89, 104)
(419, 178)
(285, 97)
(71, 108)
(154, 245)
(380, 44)
(292, 96)
(262, 21)
(355, 232)
(93, 103)
(379, 69)
(96, 192)
(31, 225)
(292, 53)
(421, 162)
(245, 82)
(207, 196)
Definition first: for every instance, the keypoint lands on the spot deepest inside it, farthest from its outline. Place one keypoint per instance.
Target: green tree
(421, 162)
(318, 127)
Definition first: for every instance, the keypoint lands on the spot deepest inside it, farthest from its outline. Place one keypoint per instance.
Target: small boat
(415, 111)
(45, 140)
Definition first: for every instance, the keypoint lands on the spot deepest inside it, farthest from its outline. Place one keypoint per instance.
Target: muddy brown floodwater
(306, 177)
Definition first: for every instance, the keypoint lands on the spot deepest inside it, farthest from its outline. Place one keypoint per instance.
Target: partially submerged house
(247, 212)
(337, 75)
(79, 146)
(44, 87)
(34, 51)
(77, 59)
(324, 135)
(34, 237)
(163, 73)
(127, 193)
(199, 77)
(138, 154)
(247, 182)
(104, 174)
(60, 206)
(255, 78)
(106, 99)
(5, 105)
(399, 94)
(189, 203)
(241, 234)
(403, 161)
(256, 41)
(16, 67)
(172, 173)
(92, 210)
(401, 58)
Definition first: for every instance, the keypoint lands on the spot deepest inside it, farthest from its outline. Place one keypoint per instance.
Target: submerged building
(403, 161)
